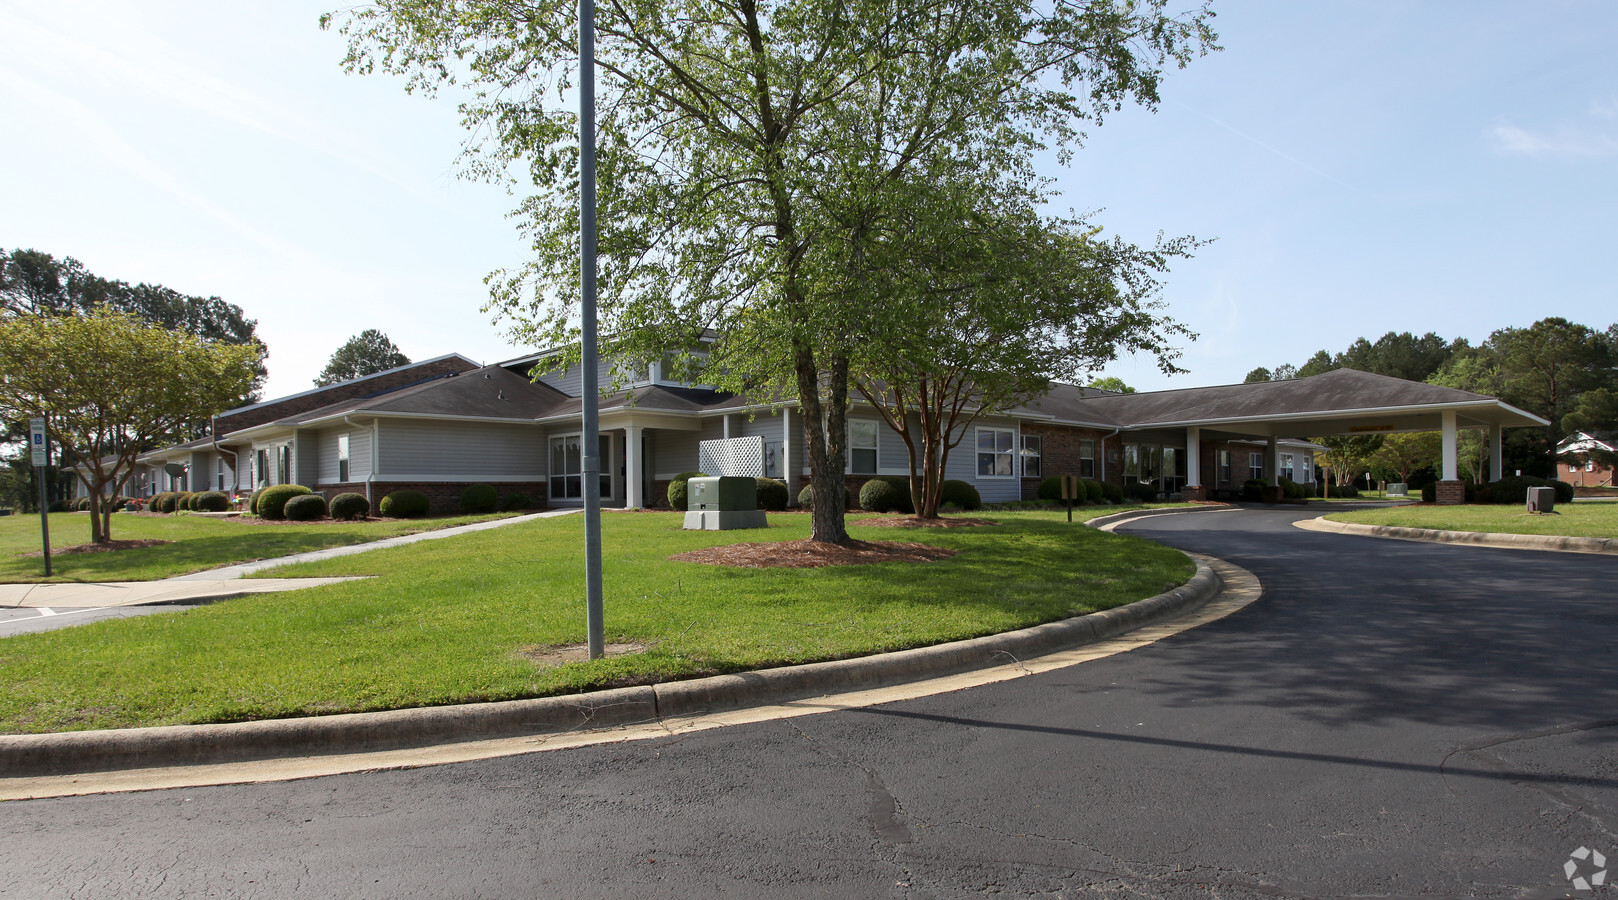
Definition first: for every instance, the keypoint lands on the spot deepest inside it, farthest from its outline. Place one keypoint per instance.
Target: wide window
(567, 467)
(1255, 466)
(1087, 459)
(995, 453)
(342, 458)
(862, 447)
(1031, 458)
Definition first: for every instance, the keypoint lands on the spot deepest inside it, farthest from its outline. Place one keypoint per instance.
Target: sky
(1448, 166)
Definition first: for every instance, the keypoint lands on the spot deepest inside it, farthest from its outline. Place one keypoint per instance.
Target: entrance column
(1496, 459)
(1450, 490)
(1272, 462)
(634, 479)
(1193, 489)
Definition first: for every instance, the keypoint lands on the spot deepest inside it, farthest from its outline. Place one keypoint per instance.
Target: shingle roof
(490, 392)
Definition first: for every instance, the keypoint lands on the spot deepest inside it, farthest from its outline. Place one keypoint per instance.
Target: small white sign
(36, 442)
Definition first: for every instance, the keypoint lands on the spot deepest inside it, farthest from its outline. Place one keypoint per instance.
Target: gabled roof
(352, 381)
(490, 392)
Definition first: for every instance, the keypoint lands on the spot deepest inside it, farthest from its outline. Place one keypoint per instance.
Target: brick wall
(1059, 454)
(338, 393)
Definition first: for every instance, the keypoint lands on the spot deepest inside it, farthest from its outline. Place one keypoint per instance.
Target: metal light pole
(590, 440)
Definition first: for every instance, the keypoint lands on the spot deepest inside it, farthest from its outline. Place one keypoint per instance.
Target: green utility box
(722, 503)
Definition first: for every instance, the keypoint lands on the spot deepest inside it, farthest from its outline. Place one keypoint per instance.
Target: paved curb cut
(1559, 543)
(66, 753)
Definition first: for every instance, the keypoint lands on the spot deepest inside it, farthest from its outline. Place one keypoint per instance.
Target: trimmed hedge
(1141, 491)
(164, 502)
(404, 505)
(1514, 489)
(806, 498)
(515, 501)
(81, 504)
(772, 494)
(305, 508)
(677, 494)
(182, 501)
(960, 493)
(1092, 490)
(272, 503)
(1349, 490)
(1111, 492)
(479, 498)
(350, 506)
(210, 501)
(1050, 489)
(886, 493)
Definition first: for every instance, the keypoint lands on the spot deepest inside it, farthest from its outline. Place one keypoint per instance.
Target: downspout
(370, 476)
(235, 458)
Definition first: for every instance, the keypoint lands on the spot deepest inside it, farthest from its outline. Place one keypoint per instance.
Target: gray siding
(425, 450)
(571, 382)
(359, 454)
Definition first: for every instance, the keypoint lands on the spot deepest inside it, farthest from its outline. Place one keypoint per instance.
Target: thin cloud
(1595, 137)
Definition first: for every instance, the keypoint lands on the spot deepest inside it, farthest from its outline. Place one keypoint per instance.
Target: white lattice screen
(737, 456)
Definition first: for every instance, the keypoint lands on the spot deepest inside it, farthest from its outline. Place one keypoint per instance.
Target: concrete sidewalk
(221, 583)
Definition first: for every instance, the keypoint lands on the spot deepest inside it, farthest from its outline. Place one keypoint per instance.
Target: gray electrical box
(722, 503)
(1541, 499)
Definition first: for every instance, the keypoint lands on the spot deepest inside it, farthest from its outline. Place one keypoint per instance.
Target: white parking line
(46, 611)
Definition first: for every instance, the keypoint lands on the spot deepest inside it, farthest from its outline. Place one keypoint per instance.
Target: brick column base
(1451, 493)
(1194, 492)
(1270, 494)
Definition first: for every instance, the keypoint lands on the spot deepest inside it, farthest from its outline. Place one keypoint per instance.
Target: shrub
(210, 501)
(515, 501)
(57, 506)
(959, 494)
(479, 498)
(164, 502)
(350, 506)
(81, 504)
(1141, 491)
(1092, 490)
(1429, 492)
(1349, 490)
(252, 501)
(272, 501)
(806, 498)
(1293, 489)
(1513, 489)
(772, 494)
(304, 507)
(404, 505)
(677, 495)
(1111, 492)
(886, 493)
(182, 501)
(1050, 489)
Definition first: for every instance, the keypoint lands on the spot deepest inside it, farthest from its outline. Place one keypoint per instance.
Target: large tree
(743, 141)
(366, 353)
(110, 386)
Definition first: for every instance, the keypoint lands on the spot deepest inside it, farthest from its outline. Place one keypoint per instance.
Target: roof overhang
(1368, 420)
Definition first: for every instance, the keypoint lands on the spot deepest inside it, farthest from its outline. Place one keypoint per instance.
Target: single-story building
(1575, 464)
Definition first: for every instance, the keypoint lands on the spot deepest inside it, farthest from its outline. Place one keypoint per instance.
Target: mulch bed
(108, 547)
(918, 522)
(813, 554)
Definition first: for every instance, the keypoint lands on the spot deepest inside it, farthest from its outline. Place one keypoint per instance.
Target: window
(1255, 466)
(219, 467)
(995, 457)
(261, 467)
(283, 464)
(1131, 461)
(1031, 456)
(1087, 459)
(342, 458)
(862, 447)
(1171, 466)
(1286, 467)
(567, 467)
(1151, 459)
(1224, 466)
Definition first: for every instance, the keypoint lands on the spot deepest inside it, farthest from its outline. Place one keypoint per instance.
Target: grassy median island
(199, 542)
(1577, 519)
(471, 618)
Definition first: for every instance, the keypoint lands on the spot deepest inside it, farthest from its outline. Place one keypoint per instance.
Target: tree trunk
(822, 424)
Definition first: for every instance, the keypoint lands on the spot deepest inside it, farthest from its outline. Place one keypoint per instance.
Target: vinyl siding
(426, 450)
(571, 382)
(359, 454)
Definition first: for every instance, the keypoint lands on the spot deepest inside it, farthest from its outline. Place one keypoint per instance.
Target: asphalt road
(1391, 719)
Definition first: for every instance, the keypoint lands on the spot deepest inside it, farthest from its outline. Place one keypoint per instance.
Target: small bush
(1111, 492)
(272, 502)
(1141, 491)
(164, 502)
(1429, 492)
(252, 501)
(677, 494)
(57, 506)
(81, 504)
(1092, 490)
(886, 493)
(1513, 489)
(182, 501)
(350, 506)
(772, 494)
(806, 498)
(1293, 489)
(1050, 489)
(1349, 490)
(478, 499)
(404, 505)
(515, 501)
(210, 501)
(305, 508)
(959, 494)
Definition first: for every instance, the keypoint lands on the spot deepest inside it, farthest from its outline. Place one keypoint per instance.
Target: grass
(200, 543)
(449, 621)
(1577, 519)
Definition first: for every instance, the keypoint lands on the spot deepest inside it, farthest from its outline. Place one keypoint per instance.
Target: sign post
(39, 446)
(1070, 489)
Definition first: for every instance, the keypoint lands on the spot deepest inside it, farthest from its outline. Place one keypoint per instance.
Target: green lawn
(202, 543)
(447, 621)
(1577, 519)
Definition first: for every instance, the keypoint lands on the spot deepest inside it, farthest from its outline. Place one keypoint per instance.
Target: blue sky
(1364, 167)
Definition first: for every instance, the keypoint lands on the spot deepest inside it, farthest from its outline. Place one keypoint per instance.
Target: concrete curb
(1558, 543)
(1100, 522)
(66, 753)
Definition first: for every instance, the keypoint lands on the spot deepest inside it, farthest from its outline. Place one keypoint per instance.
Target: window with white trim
(342, 458)
(1224, 467)
(1031, 457)
(1087, 459)
(219, 467)
(1255, 466)
(567, 467)
(261, 468)
(862, 447)
(996, 458)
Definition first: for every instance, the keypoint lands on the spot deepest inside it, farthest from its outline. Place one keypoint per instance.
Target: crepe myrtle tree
(728, 132)
(112, 386)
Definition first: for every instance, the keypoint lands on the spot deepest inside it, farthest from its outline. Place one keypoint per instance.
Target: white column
(1496, 459)
(787, 469)
(1272, 461)
(726, 419)
(633, 477)
(1451, 470)
(1193, 456)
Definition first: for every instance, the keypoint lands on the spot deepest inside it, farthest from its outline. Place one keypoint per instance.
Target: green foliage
(1514, 489)
(252, 501)
(515, 501)
(158, 500)
(772, 494)
(210, 501)
(806, 498)
(81, 504)
(404, 504)
(1350, 491)
(182, 501)
(366, 353)
(479, 498)
(272, 500)
(1093, 491)
(350, 506)
(1293, 490)
(1141, 491)
(886, 493)
(1111, 383)
(960, 494)
(304, 507)
(1050, 489)
(677, 489)
(1111, 492)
